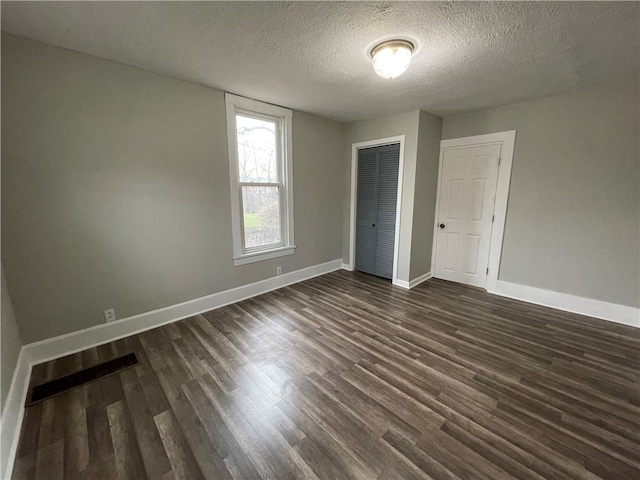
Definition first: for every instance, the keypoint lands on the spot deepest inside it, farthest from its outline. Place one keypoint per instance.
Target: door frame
(354, 197)
(506, 140)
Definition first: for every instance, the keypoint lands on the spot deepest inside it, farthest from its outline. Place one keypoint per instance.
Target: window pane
(256, 150)
(261, 207)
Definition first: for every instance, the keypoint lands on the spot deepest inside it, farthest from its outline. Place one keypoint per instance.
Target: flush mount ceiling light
(391, 58)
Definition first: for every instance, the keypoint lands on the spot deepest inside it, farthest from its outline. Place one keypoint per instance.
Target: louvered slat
(387, 187)
(384, 253)
(367, 180)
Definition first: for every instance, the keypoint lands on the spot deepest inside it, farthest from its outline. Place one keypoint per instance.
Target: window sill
(260, 256)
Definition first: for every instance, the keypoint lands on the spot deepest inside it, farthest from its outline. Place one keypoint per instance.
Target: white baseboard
(51, 348)
(570, 303)
(398, 283)
(13, 412)
(401, 283)
(412, 283)
(69, 343)
(417, 281)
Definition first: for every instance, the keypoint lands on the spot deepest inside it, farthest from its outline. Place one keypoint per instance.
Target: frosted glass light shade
(391, 59)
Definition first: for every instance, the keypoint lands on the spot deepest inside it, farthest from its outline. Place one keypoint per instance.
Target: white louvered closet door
(376, 209)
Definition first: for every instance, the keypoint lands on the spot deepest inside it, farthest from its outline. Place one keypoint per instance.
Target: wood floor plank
(50, 461)
(183, 463)
(417, 456)
(30, 431)
(25, 466)
(128, 459)
(76, 452)
(345, 376)
(153, 454)
(99, 434)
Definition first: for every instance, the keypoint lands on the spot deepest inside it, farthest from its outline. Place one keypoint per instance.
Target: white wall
(422, 132)
(424, 209)
(573, 219)
(115, 190)
(394, 125)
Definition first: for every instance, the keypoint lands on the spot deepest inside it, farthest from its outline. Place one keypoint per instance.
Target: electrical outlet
(279, 270)
(109, 315)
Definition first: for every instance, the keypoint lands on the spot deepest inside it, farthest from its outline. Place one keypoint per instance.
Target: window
(261, 173)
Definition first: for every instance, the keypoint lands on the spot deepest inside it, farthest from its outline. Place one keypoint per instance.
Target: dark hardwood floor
(344, 376)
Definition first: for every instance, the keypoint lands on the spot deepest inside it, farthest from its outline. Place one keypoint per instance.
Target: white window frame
(282, 118)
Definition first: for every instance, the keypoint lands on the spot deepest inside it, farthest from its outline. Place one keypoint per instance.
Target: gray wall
(10, 344)
(390, 126)
(573, 219)
(115, 190)
(424, 208)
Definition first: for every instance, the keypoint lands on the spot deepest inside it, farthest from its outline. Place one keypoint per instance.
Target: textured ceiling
(311, 56)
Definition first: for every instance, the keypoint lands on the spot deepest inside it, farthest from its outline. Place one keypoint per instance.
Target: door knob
(442, 225)
(373, 224)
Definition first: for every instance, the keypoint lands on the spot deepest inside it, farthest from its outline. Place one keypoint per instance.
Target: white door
(465, 211)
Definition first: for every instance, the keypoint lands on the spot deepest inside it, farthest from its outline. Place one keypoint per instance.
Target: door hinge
(499, 160)
(493, 218)
(487, 270)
